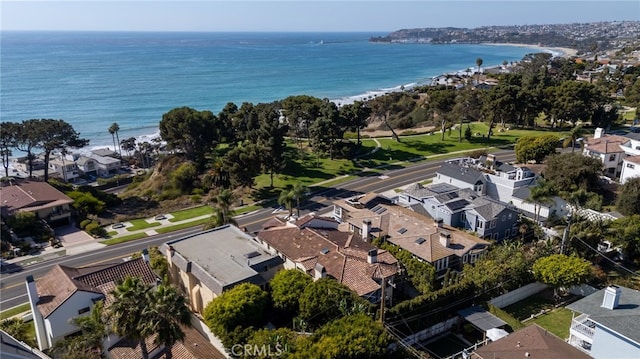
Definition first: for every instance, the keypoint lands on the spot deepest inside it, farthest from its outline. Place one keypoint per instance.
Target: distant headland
(583, 37)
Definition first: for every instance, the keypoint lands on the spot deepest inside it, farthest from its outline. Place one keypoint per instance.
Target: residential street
(13, 293)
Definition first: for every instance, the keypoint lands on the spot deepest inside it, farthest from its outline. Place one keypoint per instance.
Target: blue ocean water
(92, 79)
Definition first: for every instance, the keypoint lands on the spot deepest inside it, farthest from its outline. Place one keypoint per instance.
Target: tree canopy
(535, 148)
(571, 171)
(562, 271)
(190, 131)
(286, 288)
(238, 308)
(628, 202)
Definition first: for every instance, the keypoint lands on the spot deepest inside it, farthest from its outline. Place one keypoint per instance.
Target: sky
(301, 15)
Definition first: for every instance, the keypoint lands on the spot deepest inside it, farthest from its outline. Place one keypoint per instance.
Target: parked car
(160, 217)
(117, 225)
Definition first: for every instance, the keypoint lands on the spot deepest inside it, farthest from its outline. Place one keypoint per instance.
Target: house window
(507, 233)
(492, 224)
(612, 158)
(83, 310)
(631, 165)
(479, 224)
(509, 215)
(504, 218)
(611, 170)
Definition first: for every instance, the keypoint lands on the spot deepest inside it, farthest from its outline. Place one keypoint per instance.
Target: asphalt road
(13, 290)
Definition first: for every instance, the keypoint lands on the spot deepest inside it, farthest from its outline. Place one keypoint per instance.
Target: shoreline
(565, 52)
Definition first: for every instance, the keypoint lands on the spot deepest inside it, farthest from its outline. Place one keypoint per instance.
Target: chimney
(366, 229)
(372, 256)
(38, 321)
(599, 132)
(145, 255)
(319, 272)
(445, 237)
(611, 297)
(438, 223)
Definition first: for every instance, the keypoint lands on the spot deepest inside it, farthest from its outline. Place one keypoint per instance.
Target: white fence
(592, 215)
(517, 295)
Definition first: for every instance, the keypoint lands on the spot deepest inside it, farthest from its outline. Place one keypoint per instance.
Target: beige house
(38, 197)
(315, 246)
(427, 239)
(205, 264)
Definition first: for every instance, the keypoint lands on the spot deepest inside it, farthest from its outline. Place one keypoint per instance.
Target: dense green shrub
(84, 223)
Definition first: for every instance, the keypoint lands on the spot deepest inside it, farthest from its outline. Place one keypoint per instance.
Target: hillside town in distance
(584, 37)
(493, 213)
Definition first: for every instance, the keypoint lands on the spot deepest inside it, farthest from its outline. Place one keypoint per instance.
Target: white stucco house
(630, 168)
(66, 292)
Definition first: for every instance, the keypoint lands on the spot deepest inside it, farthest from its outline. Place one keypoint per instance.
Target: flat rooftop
(226, 253)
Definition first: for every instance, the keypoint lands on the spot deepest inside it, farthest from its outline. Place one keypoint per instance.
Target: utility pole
(566, 233)
(383, 296)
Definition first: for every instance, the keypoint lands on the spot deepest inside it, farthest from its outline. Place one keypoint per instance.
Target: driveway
(70, 235)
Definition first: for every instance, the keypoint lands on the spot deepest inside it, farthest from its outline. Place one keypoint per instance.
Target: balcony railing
(582, 325)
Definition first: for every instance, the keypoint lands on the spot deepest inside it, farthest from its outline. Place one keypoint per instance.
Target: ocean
(92, 79)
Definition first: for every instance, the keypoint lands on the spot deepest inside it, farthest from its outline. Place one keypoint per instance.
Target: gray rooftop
(462, 173)
(226, 253)
(625, 319)
(482, 319)
(418, 191)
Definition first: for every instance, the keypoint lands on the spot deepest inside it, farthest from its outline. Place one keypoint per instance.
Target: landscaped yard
(123, 239)
(557, 320)
(142, 223)
(191, 213)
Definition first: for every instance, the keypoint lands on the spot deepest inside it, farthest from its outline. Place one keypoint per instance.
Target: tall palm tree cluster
(292, 195)
(138, 312)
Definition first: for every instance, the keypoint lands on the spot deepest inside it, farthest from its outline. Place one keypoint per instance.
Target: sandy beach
(558, 51)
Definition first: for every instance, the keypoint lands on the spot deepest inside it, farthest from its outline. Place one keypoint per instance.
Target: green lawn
(131, 237)
(310, 169)
(182, 225)
(191, 213)
(141, 224)
(526, 307)
(14, 311)
(557, 322)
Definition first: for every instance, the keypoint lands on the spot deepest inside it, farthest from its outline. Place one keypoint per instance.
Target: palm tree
(127, 313)
(167, 313)
(479, 63)
(89, 343)
(18, 329)
(222, 210)
(298, 192)
(113, 129)
(541, 194)
(286, 199)
(574, 134)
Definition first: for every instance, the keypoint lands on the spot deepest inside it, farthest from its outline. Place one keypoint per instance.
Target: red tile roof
(634, 159)
(343, 255)
(61, 281)
(194, 346)
(606, 144)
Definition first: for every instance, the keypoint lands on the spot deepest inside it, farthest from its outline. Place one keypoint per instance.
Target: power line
(605, 257)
